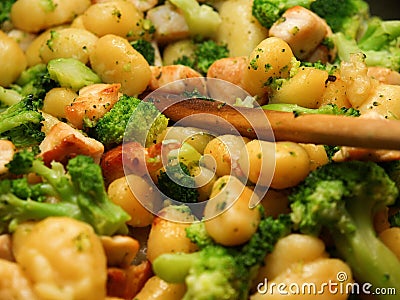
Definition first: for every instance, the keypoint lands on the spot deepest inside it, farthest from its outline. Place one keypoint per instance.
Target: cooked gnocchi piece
(64, 259)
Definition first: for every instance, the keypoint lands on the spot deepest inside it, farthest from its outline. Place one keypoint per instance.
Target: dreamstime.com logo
(340, 286)
(228, 103)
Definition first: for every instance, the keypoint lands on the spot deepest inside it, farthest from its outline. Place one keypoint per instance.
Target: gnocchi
(71, 264)
(241, 182)
(115, 60)
(13, 60)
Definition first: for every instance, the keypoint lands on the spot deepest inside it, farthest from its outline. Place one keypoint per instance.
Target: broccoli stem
(60, 183)
(370, 260)
(329, 109)
(26, 210)
(174, 267)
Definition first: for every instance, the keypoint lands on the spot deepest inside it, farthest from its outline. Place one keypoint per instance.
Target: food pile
(103, 196)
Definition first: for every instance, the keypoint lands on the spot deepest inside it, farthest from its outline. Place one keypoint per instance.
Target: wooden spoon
(256, 123)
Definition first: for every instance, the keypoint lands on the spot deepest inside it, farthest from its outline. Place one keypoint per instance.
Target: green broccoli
(35, 81)
(328, 109)
(205, 53)
(5, 9)
(201, 19)
(21, 123)
(146, 49)
(177, 183)
(267, 12)
(71, 73)
(218, 272)
(392, 168)
(130, 119)
(346, 16)
(388, 57)
(80, 191)
(343, 198)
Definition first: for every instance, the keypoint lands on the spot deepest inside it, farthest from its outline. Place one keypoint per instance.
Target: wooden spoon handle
(284, 126)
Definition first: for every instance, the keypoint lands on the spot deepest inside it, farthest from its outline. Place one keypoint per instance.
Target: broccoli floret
(343, 198)
(71, 73)
(21, 188)
(202, 20)
(388, 57)
(80, 191)
(186, 61)
(328, 109)
(35, 81)
(218, 272)
(21, 123)
(380, 34)
(177, 183)
(146, 49)
(346, 16)
(392, 168)
(267, 12)
(130, 119)
(5, 9)
(205, 53)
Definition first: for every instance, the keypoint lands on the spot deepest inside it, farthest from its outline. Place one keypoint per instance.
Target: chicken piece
(64, 142)
(322, 54)
(126, 283)
(93, 102)
(7, 151)
(229, 69)
(169, 23)
(120, 250)
(133, 158)
(353, 153)
(384, 75)
(164, 76)
(302, 29)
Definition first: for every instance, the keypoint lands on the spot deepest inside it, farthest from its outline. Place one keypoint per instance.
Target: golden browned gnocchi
(56, 100)
(13, 60)
(168, 234)
(221, 153)
(292, 249)
(115, 60)
(64, 259)
(310, 280)
(257, 161)
(239, 30)
(229, 218)
(67, 43)
(120, 18)
(292, 165)
(36, 15)
(288, 163)
(120, 192)
(391, 238)
(14, 284)
(271, 58)
(157, 289)
(305, 88)
(299, 262)
(316, 154)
